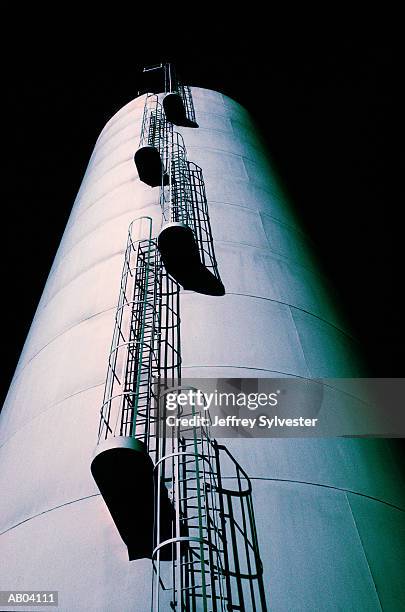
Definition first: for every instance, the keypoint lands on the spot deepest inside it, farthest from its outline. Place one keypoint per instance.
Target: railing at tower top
(145, 345)
(178, 100)
(151, 156)
(213, 548)
(185, 240)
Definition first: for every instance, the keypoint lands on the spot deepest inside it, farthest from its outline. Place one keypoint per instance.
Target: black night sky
(327, 107)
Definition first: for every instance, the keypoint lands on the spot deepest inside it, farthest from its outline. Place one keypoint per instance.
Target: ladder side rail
(244, 530)
(111, 377)
(110, 409)
(203, 232)
(186, 95)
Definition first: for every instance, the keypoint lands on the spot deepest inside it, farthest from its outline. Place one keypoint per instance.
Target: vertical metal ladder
(185, 240)
(185, 93)
(151, 156)
(211, 561)
(134, 357)
(145, 345)
(200, 220)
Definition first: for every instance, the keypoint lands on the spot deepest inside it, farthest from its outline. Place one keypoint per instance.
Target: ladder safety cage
(185, 241)
(243, 568)
(145, 345)
(184, 92)
(175, 198)
(134, 357)
(178, 101)
(213, 548)
(200, 221)
(151, 156)
(188, 574)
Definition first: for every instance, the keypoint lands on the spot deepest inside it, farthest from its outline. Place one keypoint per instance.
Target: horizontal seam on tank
(285, 224)
(249, 244)
(228, 111)
(105, 137)
(228, 293)
(243, 157)
(203, 129)
(110, 123)
(107, 193)
(262, 248)
(309, 247)
(208, 114)
(246, 368)
(292, 227)
(112, 307)
(73, 501)
(205, 148)
(100, 161)
(134, 120)
(282, 222)
(64, 399)
(252, 181)
(114, 120)
(227, 114)
(269, 248)
(260, 297)
(309, 378)
(260, 186)
(100, 145)
(96, 314)
(220, 131)
(97, 180)
(217, 241)
(212, 129)
(136, 178)
(97, 227)
(99, 261)
(84, 186)
(200, 147)
(213, 148)
(363, 551)
(326, 486)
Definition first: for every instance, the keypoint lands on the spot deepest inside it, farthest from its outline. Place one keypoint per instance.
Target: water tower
(247, 300)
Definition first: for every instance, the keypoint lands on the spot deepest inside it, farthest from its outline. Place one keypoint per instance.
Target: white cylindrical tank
(328, 511)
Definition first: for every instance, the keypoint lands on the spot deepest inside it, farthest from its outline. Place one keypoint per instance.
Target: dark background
(326, 102)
